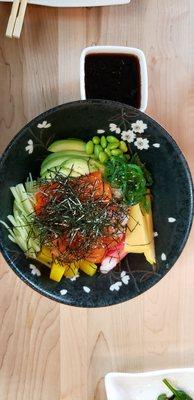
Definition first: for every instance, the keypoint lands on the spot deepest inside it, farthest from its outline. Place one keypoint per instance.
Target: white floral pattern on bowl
(142, 144)
(30, 146)
(139, 126)
(114, 128)
(44, 125)
(124, 280)
(34, 270)
(132, 135)
(128, 136)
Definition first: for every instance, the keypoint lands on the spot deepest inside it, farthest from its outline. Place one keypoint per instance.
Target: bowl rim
(152, 281)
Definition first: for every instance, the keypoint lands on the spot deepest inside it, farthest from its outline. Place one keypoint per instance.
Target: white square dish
(147, 385)
(76, 3)
(117, 50)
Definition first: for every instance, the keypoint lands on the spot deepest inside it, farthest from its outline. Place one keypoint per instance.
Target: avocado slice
(70, 153)
(63, 170)
(78, 166)
(67, 144)
(72, 166)
(82, 166)
(50, 173)
(96, 165)
(56, 159)
(56, 162)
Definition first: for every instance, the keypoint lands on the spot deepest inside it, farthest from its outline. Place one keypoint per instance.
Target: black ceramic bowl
(172, 193)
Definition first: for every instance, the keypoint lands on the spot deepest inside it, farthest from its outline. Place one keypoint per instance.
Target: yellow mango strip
(45, 256)
(88, 267)
(136, 234)
(150, 249)
(71, 270)
(139, 235)
(57, 271)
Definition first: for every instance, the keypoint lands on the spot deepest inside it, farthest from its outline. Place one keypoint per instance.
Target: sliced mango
(139, 235)
(88, 267)
(136, 234)
(57, 271)
(150, 250)
(45, 255)
(71, 270)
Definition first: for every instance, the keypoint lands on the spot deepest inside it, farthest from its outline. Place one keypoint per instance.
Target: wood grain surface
(52, 352)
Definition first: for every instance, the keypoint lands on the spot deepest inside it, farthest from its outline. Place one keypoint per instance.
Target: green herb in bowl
(177, 394)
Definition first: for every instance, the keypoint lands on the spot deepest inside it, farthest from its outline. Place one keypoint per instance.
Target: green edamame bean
(89, 147)
(112, 139)
(103, 157)
(107, 151)
(96, 140)
(97, 150)
(103, 142)
(112, 146)
(116, 152)
(123, 146)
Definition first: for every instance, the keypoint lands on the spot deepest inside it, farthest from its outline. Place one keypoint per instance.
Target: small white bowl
(115, 50)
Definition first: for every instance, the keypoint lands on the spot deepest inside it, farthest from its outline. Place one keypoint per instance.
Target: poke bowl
(96, 203)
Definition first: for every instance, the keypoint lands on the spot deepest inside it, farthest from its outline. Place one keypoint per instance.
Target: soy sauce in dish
(113, 77)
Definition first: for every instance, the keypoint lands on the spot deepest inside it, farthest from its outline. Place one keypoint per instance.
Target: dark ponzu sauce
(113, 77)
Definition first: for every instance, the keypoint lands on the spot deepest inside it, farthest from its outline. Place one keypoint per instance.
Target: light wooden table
(52, 352)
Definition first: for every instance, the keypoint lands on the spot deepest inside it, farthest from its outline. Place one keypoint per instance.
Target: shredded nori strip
(82, 220)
